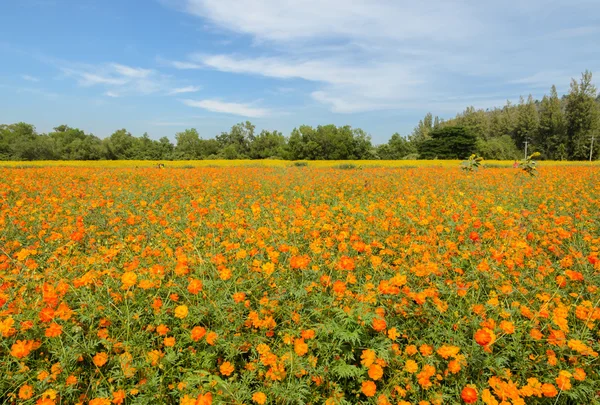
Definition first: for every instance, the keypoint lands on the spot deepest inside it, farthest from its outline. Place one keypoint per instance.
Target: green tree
(552, 130)
(474, 121)
(448, 143)
(497, 148)
(188, 145)
(20, 141)
(238, 139)
(397, 148)
(422, 131)
(121, 145)
(268, 144)
(582, 117)
(526, 128)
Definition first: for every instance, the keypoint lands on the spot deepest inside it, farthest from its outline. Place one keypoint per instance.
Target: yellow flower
(181, 311)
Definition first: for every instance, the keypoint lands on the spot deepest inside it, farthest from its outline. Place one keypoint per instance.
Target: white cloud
(187, 89)
(288, 20)
(544, 79)
(365, 55)
(121, 80)
(184, 65)
(244, 110)
(30, 78)
(127, 71)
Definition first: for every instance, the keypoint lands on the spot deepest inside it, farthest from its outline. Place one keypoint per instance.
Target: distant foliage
(448, 143)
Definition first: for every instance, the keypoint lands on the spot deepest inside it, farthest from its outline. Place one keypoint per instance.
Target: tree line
(558, 128)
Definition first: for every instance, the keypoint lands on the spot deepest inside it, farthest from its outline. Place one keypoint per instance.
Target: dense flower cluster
(299, 285)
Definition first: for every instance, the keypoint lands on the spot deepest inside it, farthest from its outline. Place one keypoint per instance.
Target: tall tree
(449, 142)
(552, 131)
(474, 121)
(422, 131)
(188, 145)
(527, 123)
(121, 145)
(582, 117)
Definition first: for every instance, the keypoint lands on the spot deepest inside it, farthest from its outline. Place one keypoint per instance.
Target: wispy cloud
(120, 80)
(134, 73)
(187, 89)
(30, 78)
(244, 110)
(184, 65)
(369, 55)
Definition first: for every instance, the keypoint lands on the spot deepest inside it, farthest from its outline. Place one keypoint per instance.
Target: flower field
(299, 285)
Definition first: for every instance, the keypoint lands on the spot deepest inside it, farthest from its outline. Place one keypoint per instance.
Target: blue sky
(160, 66)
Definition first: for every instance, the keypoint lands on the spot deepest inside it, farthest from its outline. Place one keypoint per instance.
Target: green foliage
(448, 143)
(347, 166)
(472, 163)
(498, 148)
(582, 117)
(527, 124)
(529, 165)
(329, 143)
(552, 135)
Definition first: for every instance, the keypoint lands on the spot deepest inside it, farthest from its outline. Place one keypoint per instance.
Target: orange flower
(484, 337)
(181, 311)
(411, 366)
(169, 341)
(379, 324)
(194, 286)
(300, 347)
(393, 333)
(53, 330)
(426, 350)
(563, 381)
(211, 338)
(469, 395)
(100, 401)
(308, 334)
(375, 372)
(129, 278)
(579, 374)
(448, 351)
(71, 380)
(369, 388)
(536, 334)
(368, 357)
(226, 368)
(25, 392)
(198, 333)
(411, 349)
(549, 390)
(239, 297)
(204, 399)
(507, 327)
(100, 359)
(21, 348)
(339, 287)
(118, 397)
(162, 329)
(259, 397)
